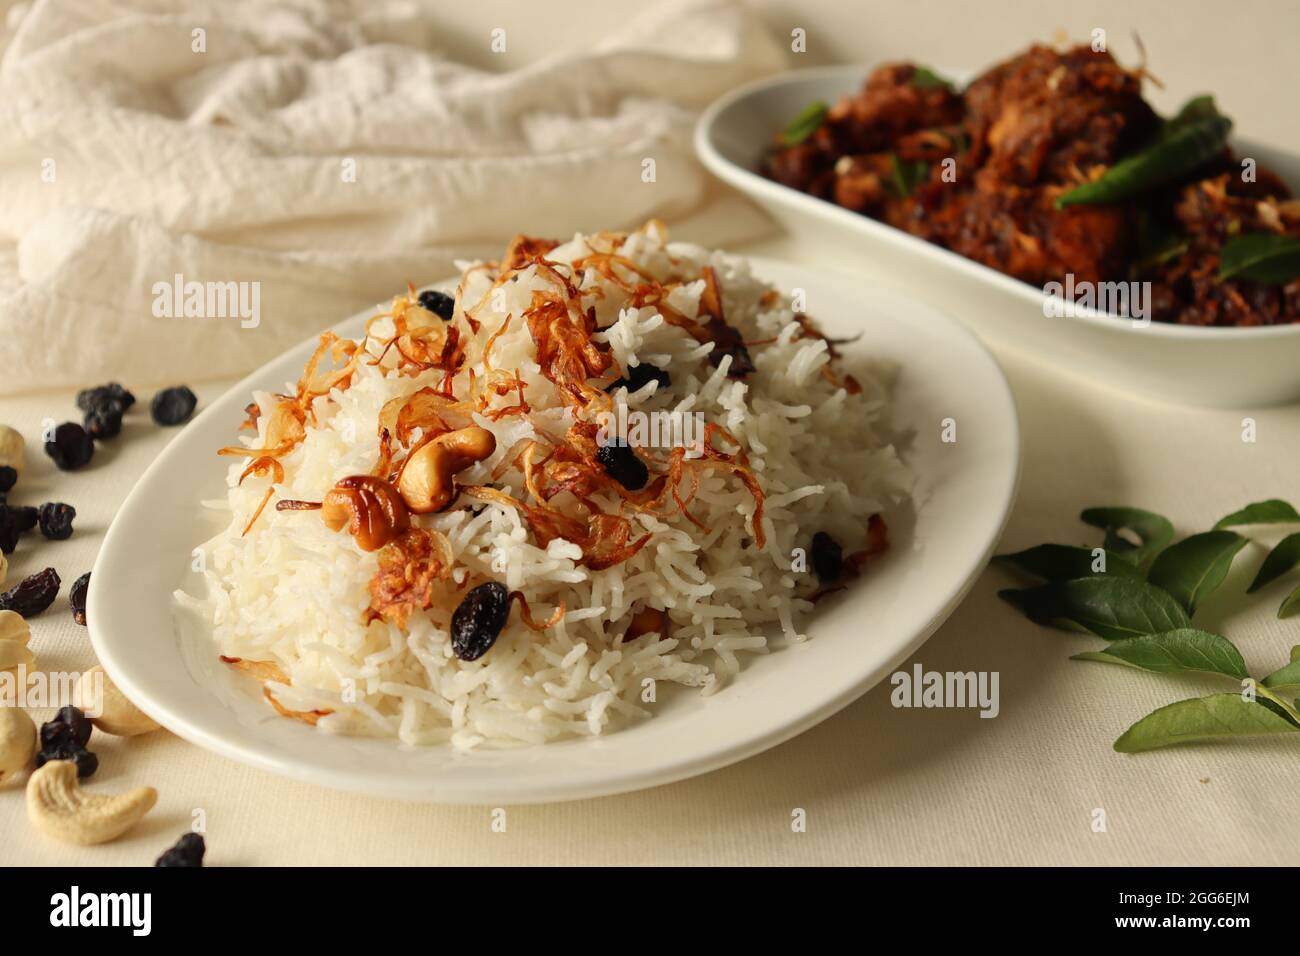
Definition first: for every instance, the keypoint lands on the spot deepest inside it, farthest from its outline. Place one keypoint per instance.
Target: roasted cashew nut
(117, 715)
(58, 807)
(12, 449)
(427, 479)
(14, 627)
(17, 742)
(371, 508)
(14, 654)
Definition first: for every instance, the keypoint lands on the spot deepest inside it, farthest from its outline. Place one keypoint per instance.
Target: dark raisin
(827, 557)
(56, 520)
(32, 594)
(104, 421)
(87, 763)
(15, 521)
(477, 623)
(68, 728)
(172, 406)
(110, 394)
(639, 376)
(71, 447)
(24, 517)
(622, 464)
(8, 478)
(188, 851)
(439, 303)
(65, 738)
(727, 341)
(77, 598)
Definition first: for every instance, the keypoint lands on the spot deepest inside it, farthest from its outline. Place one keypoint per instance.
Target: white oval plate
(1213, 367)
(963, 496)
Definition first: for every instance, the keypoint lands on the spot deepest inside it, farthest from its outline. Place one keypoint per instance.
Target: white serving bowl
(1213, 367)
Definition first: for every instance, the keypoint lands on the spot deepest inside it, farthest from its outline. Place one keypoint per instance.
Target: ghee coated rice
(294, 594)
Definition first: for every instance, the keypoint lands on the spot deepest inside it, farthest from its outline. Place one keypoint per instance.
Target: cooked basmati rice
(294, 593)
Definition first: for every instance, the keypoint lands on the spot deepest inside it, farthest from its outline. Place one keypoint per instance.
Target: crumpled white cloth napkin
(323, 150)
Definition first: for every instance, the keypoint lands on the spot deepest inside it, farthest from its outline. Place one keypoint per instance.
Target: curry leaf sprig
(808, 121)
(1184, 143)
(1264, 257)
(1140, 590)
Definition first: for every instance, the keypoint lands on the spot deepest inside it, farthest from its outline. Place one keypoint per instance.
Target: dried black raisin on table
(56, 520)
(68, 727)
(8, 478)
(104, 407)
(71, 447)
(622, 464)
(439, 303)
(173, 405)
(65, 738)
(25, 517)
(77, 598)
(33, 594)
(103, 421)
(639, 376)
(87, 762)
(188, 851)
(827, 557)
(477, 622)
(112, 393)
(15, 521)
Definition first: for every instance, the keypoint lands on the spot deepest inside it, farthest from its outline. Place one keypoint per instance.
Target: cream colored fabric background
(330, 150)
(878, 785)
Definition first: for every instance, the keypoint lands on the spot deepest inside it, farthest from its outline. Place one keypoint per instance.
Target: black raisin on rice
(187, 851)
(71, 447)
(439, 303)
(33, 594)
(173, 405)
(622, 464)
(639, 376)
(477, 622)
(77, 598)
(827, 557)
(56, 520)
(728, 341)
(8, 478)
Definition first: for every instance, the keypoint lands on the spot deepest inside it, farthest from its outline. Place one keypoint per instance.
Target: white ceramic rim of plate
(247, 749)
(728, 171)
